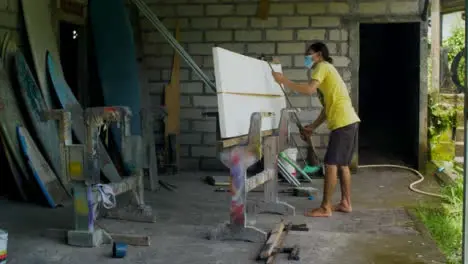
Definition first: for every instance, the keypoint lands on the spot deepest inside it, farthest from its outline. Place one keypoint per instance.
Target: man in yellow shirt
(342, 120)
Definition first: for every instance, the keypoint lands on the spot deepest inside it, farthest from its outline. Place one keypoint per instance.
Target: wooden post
(435, 44)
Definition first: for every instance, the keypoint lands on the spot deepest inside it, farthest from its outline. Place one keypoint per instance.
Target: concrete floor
(378, 231)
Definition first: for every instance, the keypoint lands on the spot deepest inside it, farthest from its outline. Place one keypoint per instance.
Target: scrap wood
(263, 9)
(273, 240)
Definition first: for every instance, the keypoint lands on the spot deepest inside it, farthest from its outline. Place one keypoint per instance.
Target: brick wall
(9, 18)
(231, 24)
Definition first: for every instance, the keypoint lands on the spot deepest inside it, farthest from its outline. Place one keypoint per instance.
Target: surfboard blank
(245, 85)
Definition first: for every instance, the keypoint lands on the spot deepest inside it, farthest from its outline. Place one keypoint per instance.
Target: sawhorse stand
(81, 165)
(238, 160)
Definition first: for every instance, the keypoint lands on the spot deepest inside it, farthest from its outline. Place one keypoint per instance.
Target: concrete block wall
(231, 24)
(10, 19)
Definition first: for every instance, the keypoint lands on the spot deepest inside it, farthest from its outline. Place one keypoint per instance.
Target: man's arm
(304, 88)
(320, 119)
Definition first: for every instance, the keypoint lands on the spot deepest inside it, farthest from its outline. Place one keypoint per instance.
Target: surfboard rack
(82, 170)
(238, 159)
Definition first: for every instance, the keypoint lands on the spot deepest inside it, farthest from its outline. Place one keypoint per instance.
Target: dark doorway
(73, 57)
(389, 81)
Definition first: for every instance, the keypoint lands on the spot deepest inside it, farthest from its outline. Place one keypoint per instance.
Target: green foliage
(455, 43)
(442, 117)
(445, 222)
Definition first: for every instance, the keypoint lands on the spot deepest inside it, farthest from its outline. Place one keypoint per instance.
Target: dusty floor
(378, 231)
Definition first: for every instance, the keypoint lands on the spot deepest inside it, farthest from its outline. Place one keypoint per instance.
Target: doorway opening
(389, 83)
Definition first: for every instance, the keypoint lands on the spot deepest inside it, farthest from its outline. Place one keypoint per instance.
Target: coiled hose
(411, 186)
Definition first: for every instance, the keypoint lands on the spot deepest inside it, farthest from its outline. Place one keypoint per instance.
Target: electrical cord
(411, 186)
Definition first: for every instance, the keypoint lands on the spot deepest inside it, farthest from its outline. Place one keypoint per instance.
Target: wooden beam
(435, 44)
(231, 142)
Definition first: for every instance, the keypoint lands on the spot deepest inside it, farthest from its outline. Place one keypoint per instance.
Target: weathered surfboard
(10, 118)
(46, 131)
(38, 20)
(48, 182)
(116, 59)
(68, 101)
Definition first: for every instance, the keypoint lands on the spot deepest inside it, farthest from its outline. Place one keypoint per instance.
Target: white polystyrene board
(237, 73)
(235, 111)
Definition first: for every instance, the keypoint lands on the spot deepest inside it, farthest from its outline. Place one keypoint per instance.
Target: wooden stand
(239, 159)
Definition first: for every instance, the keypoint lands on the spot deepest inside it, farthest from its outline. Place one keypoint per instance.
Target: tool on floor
(119, 250)
(217, 180)
(316, 162)
(168, 186)
(273, 245)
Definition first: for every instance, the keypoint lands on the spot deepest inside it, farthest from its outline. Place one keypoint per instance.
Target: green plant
(441, 118)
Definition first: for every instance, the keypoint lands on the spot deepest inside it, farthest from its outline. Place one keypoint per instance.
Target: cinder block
(200, 48)
(373, 8)
(156, 88)
(311, 8)
(296, 74)
(185, 101)
(13, 5)
(207, 61)
(295, 22)
(162, 10)
(218, 35)
(278, 35)
(189, 164)
(344, 49)
(311, 34)
(206, 101)
(248, 35)
(271, 22)
(299, 100)
(334, 34)
(204, 23)
(185, 126)
(460, 134)
(325, 21)
(190, 138)
(341, 61)
(404, 7)
(191, 87)
(184, 74)
(190, 10)
(338, 8)
(209, 138)
(286, 61)
(159, 61)
(346, 75)
(281, 9)
(246, 9)
(219, 10)
(185, 151)
(234, 47)
(204, 126)
(191, 113)
(190, 36)
(234, 22)
(204, 151)
(258, 48)
(291, 48)
(4, 4)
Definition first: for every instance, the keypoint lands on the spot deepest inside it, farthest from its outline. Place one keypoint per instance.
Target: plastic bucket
(3, 246)
(292, 155)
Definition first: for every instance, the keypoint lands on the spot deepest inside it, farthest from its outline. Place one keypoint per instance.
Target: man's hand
(307, 132)
(279, 77)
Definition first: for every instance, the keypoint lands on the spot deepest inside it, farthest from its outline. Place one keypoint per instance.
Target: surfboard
(14, 169)
(37, 17)
(116, 59)
(10, 118)
(68, 101)
(46, 131)
(48, 182)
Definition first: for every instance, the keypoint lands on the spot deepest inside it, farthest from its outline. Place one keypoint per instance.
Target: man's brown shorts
(341, 145)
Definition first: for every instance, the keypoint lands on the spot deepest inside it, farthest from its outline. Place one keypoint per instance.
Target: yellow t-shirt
(339, 110)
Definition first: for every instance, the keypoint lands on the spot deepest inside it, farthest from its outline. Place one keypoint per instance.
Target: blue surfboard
(69, 102)
(116, 59)
(46, 131)
(48, 182)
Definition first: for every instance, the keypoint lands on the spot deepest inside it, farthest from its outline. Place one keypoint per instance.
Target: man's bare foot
(319, 212)
(341, 207)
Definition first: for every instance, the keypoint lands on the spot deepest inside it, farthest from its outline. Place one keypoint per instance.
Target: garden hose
(411, 186)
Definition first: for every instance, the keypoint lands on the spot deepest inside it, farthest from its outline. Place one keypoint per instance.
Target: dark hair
(322, 48)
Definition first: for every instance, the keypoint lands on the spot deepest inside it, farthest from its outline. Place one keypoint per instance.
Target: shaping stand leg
(138, 212)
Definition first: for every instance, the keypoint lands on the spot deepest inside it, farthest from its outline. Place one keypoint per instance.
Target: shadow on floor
(378, 231)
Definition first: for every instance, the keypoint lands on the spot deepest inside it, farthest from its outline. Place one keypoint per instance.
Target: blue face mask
(308, 62)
